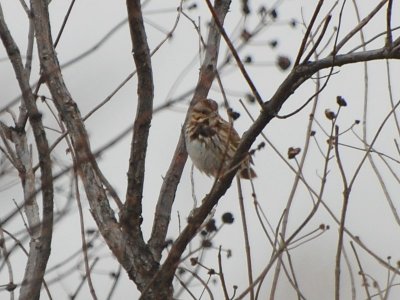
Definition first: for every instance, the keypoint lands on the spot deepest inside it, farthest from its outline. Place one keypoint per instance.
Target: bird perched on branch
(211, 141)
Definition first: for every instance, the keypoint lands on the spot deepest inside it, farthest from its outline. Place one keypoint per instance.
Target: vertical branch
(246, 237)
(69, 111)
(308, 32)
(346, 195)
(283, 245)
(6, 255)
(221, 275)
(234, 53)
(389, 38)
(131, 214)
(172, 178)
(295, 185)
(83, 239)
(40, 246)
(361, 272)
(365, 128)
(131, 253)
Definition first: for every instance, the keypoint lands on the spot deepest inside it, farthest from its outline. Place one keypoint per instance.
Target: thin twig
(10, 286)
(114, 285)
(365, 282)
(351, 275)
(346, 195)
(308, 31)
(80, 285)
(359, 26)
(246, 237)
(318, 41)
(235, 54)
(391, 98)
(83, 238)
(221, 275)
(296, 180)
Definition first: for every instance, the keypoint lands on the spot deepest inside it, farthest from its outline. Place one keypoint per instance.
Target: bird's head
(205, 109)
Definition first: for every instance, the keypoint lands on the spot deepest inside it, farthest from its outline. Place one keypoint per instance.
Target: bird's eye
(203, 111)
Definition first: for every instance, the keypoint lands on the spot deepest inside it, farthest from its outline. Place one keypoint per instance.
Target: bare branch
(346, 196)
(40, 246)
(308, 32)
(172, 178)
(235, 54)
(389, 38)
(359, 26)
(131, 254)
(298, 76)
(246, 237)
(221, 275)
(131, 215)
(361, 272)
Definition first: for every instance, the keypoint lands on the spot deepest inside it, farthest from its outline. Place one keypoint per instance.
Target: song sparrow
(211, 141)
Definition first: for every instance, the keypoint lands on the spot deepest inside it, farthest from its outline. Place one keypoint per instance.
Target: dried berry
(194, 261)
(273, 13)
(250, 98)
(227, 218)
(283, 62)
(233, 114)
(210, 226)
(273, 43)
(206, 244)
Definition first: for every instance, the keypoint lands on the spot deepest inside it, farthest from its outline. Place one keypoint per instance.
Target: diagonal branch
(297, 77)
(235, 54)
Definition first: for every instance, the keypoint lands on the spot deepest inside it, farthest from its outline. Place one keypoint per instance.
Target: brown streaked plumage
(211, 141)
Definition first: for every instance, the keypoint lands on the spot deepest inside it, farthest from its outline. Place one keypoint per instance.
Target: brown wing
(245, 171)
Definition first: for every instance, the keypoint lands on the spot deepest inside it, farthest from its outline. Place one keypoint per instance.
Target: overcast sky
(176, 66)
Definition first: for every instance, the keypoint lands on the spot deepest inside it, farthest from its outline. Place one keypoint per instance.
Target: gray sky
(93, 78)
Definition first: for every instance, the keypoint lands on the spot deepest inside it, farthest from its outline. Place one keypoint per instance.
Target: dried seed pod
(330, 115)
(283, 62)
(292, 152)
(340, 101)
(227, 218)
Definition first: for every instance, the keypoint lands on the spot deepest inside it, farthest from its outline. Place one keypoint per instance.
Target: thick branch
(135, 260)
(40, 245)
(131, 215)
(70, 114)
